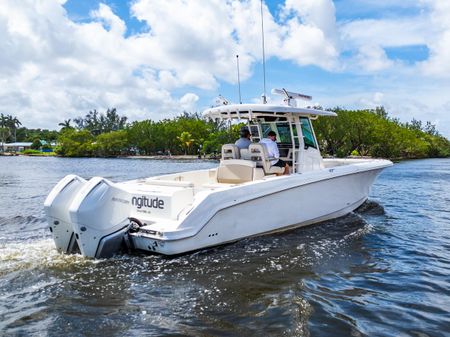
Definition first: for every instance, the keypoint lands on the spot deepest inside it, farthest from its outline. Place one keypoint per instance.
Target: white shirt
(272, 149)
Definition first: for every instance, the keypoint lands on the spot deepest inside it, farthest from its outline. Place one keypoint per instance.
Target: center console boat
(244, 196)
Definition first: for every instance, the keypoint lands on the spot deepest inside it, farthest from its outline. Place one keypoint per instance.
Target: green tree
(112, 143)
(11, 123)
(364, 132)
(186, 141)
(4, 131)
(15, 124)
(374, 133)
(28, 135)
(333, 135)
(142, 136)
(36, 145)
(111, 121)
(99, 123)
(430, 129)
(66, 125)
(75, 143)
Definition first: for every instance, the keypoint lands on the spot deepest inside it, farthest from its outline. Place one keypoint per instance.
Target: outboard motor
(99, 214)
(56, 209)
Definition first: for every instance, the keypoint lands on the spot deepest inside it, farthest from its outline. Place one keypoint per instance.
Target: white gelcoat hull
(273, 211)
(197, 214)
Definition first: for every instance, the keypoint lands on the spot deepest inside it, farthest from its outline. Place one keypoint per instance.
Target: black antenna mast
(239, 79)
(264, 54)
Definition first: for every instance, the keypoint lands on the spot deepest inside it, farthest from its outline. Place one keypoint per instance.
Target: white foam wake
(15, 256)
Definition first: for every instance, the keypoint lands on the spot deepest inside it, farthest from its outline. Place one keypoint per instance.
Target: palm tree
(66, 124)
(186, 140)
(15, 123)
(2, 120)
(4, 131)
(11, 123)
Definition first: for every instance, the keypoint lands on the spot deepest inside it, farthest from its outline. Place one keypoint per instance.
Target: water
(381, 271)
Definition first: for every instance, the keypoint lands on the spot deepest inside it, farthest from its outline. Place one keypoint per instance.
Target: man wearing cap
(273, 152)
(244, 141)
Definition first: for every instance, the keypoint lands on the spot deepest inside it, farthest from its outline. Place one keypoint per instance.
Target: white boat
(182, 212)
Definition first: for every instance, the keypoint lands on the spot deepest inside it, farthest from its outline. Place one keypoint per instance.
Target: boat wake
(324, 239)
(19, 256)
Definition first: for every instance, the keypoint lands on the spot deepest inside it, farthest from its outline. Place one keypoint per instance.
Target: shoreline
(187, 157)
(155, 157)
(175, 157)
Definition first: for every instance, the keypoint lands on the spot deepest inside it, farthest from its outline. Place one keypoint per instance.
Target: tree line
(353, 132)
(108, 134)
(373, 133)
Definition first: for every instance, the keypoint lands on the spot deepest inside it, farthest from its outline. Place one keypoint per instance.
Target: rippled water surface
(381, 271)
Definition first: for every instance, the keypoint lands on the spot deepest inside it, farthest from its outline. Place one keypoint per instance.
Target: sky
(153, 59)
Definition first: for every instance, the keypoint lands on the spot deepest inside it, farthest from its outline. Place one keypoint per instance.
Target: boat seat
(245, 154)
(238, 171)
(259, 155)
(230, 151)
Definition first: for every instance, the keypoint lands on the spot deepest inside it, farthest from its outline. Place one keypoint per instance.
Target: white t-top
(272, 149)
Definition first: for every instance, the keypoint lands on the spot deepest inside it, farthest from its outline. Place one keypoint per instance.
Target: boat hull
(179, 213)
(296, 202)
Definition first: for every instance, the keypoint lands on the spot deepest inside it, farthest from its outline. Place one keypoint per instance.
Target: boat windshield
(285, 133)
(282, 130)
(308, 135)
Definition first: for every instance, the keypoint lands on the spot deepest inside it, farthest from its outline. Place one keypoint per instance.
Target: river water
(381, 271)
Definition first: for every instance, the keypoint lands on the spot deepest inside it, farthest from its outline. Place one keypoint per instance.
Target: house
(15, 147)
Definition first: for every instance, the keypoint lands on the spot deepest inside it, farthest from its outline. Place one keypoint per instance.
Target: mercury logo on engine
(147, 202)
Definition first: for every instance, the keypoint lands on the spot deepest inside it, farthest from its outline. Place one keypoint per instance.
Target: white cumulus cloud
(439, 43)
(54, 68)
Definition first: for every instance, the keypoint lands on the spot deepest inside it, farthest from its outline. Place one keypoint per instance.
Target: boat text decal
(147, 202)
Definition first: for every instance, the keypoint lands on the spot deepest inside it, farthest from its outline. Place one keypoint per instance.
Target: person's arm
(275, 151)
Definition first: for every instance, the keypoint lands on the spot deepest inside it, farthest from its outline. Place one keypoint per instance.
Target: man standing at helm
(273, 152)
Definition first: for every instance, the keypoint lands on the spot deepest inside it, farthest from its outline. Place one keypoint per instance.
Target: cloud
(367, 40)
(191, 38)
(430, 27)
(372, 58)
(58, 68)
(439, 43)
(53, 68)
(386, 32)
(106, 15)
(310, 35)
(188, 101)
(412, 99)
(315, 13)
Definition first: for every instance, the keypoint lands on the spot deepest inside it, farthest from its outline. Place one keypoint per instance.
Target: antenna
(290, 94)
(290, 97)
(239, 79)
(264, 54)
(222, 100)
